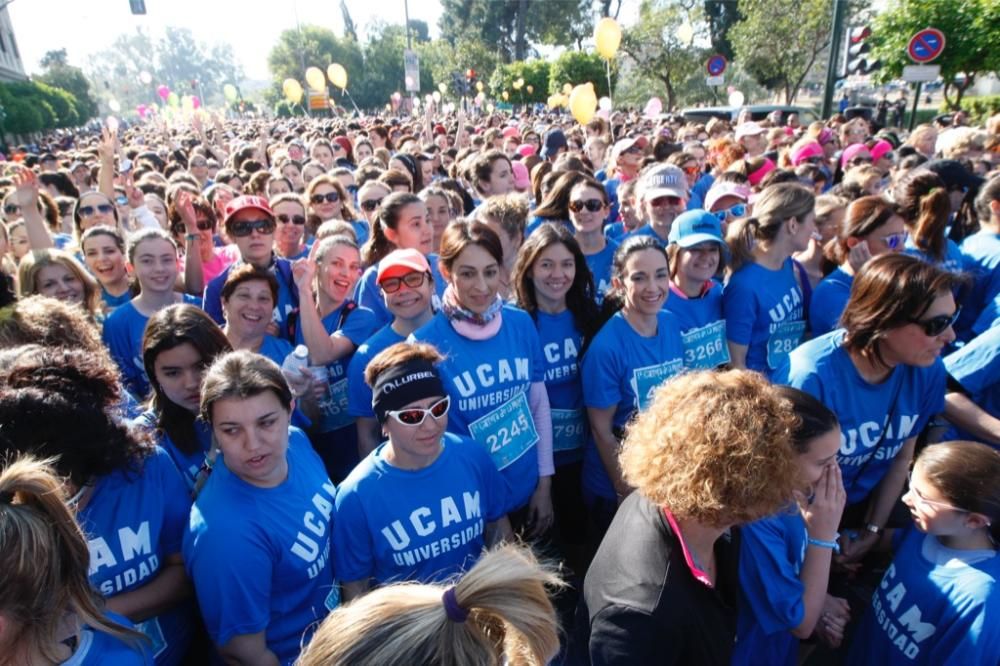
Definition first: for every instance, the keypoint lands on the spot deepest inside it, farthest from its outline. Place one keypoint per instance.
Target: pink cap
(525, 149)
(244, 203)
(759, 174)
(510, 131)
(725, 189)
(748, 129)
(805, 151)
(522, 180)
(880, 149)
(401, 262)
(852, 151)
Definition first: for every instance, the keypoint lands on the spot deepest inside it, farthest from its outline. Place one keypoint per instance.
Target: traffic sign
(714, 81)
(926, 45)
(716, 65)
(921, 73)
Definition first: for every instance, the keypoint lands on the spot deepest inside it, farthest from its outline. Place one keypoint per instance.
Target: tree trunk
(521, 39)
(671, 94)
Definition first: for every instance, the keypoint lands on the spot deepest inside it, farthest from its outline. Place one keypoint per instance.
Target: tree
(577, 67)
(652, 44)
(442, 60)
(349, 30)
(971, 29)
(535, 74)
(721, 15)
(58, 73)
(779, 41)
(313, 46)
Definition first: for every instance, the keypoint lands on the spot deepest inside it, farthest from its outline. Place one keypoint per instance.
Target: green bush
(981, 108)
(37, 107)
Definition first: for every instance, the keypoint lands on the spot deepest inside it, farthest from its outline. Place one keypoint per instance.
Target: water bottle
(292, 369)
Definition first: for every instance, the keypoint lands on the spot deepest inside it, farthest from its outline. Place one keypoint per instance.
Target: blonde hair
(32, 264)
(773, 207)
(511, 620)
(714, 447)
(44, 561)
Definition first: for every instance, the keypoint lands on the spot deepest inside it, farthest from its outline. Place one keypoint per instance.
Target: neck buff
(455, 311)
(400, 385)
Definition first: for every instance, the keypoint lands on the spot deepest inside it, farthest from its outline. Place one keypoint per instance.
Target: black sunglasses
(329, 197)
(87, 211)
(12, 209)
(246, 227)
(371, 204)
(593, 205)
(296, 219)
(203, 225)
(411, 280)
(935, 326)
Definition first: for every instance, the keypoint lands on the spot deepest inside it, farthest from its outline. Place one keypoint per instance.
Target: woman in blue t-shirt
(423, 505)
(588, 208)
(103, 250)
(882, 376)
(407, 284)
(697, 253)
(153, 256)
(129, 499)
(248, 297)
(332, 326)
(258, 544)
(764, 300)
(49, 613)
(872, 227)
(180, 342)
(925, 206)
(494, 371)
(785, 558)
(938, 601)
(637, 349)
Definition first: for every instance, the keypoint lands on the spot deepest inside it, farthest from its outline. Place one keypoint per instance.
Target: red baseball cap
(246, 202)
(400, 262)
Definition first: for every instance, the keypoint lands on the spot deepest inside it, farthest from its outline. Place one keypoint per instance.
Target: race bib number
(787, 336)
(333, 407)
(507, 432)
(705, 348)
(646, 380)
(151, 628)
(568, 429)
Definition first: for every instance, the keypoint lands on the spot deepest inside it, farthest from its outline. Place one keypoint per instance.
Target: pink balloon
(195, 102)
(141, 110)
(653, 107)
(730, 90)
(604, 113)
(163, 91)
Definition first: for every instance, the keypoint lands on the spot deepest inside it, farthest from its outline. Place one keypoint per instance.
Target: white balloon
(146, 77)
(114, 106)
(112, 123)
(685, 33)
(736, 98)
(437, 96)
(604, 103)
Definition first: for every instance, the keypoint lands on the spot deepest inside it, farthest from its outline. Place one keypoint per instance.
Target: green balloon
(173, 100)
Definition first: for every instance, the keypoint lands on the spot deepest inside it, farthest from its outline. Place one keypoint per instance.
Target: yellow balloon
(479, 86)
(315, 79)
(608, 36)
(292, 90)
(567, 88)
(518, 84)
(229, 90)
(443, 87)
(553, 101)
(505, 95)
(583, 103)
(531, 89)
(338, 75)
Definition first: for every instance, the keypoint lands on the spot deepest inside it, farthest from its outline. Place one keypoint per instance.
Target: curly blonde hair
(715, 448)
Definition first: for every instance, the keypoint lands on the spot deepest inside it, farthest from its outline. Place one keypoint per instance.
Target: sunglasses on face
(12, 209)
(668, 200)
(203, 225)
(121, 200)
(199, 164)
(935, 326)
(352, 189)
(692, 170)
(329, 197)
(895, 241)
(291, 219)
(739, 210)
(411, 280)
(371, 204)
(415, 416)
(860, 160)
(593, 205)
(88, 211)
(243, 229)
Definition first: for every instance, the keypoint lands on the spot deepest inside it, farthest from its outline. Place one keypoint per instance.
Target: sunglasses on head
(935, 326)
(371, 204)
(329, 197)
(246, 227)
(416, 416)
(294, 219)
(593, 205)
(88, 211)
(737, 210)
(666, 200)
(411, 280)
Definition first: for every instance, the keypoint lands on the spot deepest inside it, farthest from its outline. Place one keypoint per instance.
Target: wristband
(832, 545)
(874, 529)
(190, 237)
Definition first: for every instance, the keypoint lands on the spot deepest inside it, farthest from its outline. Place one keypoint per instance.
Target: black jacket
(643, 603)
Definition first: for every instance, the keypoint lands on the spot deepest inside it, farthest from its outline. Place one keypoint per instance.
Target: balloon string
(607, 63)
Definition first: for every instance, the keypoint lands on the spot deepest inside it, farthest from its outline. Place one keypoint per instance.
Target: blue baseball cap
(697, 226)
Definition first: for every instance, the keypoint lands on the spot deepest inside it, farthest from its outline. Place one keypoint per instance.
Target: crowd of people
(501, 389)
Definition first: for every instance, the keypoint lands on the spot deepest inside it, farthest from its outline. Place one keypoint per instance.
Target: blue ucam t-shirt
(875, 419)
(359, 398)
(772, 551)
(703, 329)
(982, 260)
(536, 222)
(275, 349)
(187, 464)
(122, 335)
(623, 369)
(953, 261)
(421, 525)
(829, 299)
(356, 324)
(489, 381)
(288, 295)
(99, 648)
(260, 557)
(976, 366)
(561, 342)
(765, 312)
(368, 294)
(647, 230)
(111, 303)
(134, 521)
(932, 607)
(599, 264)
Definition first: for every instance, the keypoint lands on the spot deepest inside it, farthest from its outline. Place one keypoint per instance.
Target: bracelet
(874, 529)
(190, 237)
(832, 545)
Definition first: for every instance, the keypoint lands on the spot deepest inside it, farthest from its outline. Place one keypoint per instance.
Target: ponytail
(44, 560)
(774, 206)
(925, 206)
(388, 216)
(498, 612)
(741, 236)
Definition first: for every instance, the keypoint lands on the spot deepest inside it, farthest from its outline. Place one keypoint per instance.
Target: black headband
(398, 386)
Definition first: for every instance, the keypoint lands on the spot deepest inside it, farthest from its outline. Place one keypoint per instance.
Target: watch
(874, 529)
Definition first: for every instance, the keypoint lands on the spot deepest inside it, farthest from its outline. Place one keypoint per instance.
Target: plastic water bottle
(292, 369)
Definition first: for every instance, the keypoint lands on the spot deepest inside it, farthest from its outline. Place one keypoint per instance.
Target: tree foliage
(58, 73)
(313, 46)
(34, 107)
(721, 16)
(577, 67)
(535, 74)
(779, 41)
(972, 33)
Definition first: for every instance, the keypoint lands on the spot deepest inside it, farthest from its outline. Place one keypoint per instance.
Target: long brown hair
(774, 206)
(864, 217)
(389, 211)
(925, 206)
(966, 474)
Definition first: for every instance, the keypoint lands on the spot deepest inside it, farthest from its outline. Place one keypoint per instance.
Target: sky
(84, 27)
